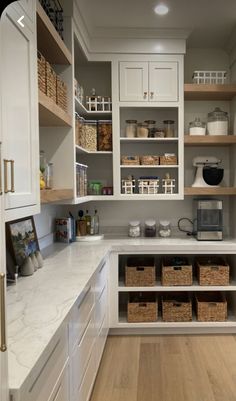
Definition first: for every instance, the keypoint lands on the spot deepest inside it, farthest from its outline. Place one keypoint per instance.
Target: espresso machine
(208, 219)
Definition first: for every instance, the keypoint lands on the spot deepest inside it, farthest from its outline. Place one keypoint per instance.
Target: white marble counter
(37, 305)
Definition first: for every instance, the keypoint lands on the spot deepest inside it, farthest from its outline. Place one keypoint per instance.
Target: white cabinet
(28, 8)
(148, 81)
(61, 390)
(19, 120)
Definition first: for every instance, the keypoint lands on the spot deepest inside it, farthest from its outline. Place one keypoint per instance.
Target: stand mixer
(208, 173)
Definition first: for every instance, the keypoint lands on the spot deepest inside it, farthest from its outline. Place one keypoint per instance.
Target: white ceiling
(209, 22)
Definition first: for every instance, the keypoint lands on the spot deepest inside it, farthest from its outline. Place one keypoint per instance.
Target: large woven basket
(176, 271)
(176, 308)
(41, 73)
(168, 160)
(212, 271)
(211, 307)
(142, 307)
(61, 94)
(140, 271)
(51, 82)
(149, 160)
(130, 160)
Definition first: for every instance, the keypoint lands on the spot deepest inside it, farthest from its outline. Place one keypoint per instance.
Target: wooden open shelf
(50, 114)
(55, 195)
(218, 140)
(209, 92)
(210, 191)
(49, 41)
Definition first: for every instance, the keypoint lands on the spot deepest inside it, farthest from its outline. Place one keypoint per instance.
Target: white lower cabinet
(61, 390)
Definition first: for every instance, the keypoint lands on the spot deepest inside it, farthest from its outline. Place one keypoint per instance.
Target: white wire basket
(168, 185)
(148, 186)
(128, 186)
(209, 77)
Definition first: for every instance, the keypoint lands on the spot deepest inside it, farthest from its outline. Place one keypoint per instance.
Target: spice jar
(164, 229)
(134, 229)
(142, 130)
(151, 127)
(169, 128)
(131, 128)
(197, 127)
(217, 122)
(105, 135)
(150, 228)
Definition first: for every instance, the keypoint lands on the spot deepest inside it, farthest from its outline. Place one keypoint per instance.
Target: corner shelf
(148, 140)
(50, 114)
(55, 195)
(81, 150)
(210, 191)
(83, 112)
(49, 41)
(209, 92)
(217, 140)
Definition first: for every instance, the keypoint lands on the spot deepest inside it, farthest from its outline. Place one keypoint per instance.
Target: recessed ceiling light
(161, 9)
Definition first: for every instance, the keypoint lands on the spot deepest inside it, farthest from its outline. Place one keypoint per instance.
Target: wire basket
(209, 77)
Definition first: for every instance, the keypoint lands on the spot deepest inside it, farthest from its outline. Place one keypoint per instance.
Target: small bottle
(96, 223)
(49, 176)
(88, 222)
(81, 225)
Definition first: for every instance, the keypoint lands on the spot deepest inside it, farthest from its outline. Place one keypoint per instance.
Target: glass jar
(197, 127)
(151, 127)
(164, 229)
(169, 128)
(90, 135)
(159, 133)
(134, 229)
(150, 228)
(43, 162)
(105, 135)
(217, 122)
(49, 176)
(131, 128)
(142, 130)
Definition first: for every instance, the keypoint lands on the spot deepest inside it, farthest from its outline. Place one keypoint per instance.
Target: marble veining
(37, 305)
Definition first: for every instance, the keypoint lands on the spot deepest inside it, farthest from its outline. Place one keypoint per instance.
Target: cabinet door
(133, 81)
(19, 111)
(29, 8)
(163, 81)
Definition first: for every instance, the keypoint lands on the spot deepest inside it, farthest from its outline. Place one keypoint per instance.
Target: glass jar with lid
(134, 229)
(169, 128)
(150, 228)
(131, 128)
(151, 127)
(197, 127)
(217, 122)
(142, 130)
(164, 229)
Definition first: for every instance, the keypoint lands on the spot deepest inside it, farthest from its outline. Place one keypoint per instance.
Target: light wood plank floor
(167, 368)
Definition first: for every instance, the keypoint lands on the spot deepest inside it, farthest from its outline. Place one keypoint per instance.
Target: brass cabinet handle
(6, 190)
(3, 346)
(12, 175)
(12, 163)
(0, 168)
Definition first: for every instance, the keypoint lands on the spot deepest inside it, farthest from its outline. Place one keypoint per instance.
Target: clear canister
(169, 128)
(134, 229)
(90, 135)
(131, 128)
(151, 127)
(197, 127)
(142, 130)
(217, 122)
(164, 229)
(150, 228)
(104, 135)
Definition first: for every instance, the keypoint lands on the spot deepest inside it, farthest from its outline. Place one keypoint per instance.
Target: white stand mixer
(200, 163)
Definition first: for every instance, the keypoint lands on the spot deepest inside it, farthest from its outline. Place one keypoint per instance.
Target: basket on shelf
(142, 307)
(168, 159)
(148, 185)
(209, 77)
(211, 307)
(140, 271)
(168, 184)
(98, 103)
(41, 73)
(61, 94)
(149, 160)
(212, 271)
(130, 160)
(51, 82)
(176, 308)
(176, 271)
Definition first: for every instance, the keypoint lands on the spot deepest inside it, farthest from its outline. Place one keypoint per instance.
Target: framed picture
(22, 239)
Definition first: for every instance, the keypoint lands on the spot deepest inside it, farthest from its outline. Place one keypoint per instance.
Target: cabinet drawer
(101, 340)
(100, 309)
(81, 355)
(88, 380)
(80, 315)
(61, 390)
(101, 279)
(43, 381)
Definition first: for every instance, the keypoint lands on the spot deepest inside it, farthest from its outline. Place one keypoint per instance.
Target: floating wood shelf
(50, 114)
(218, 140)
(55, 195)
(210, 191)
(209, 92)
(49, 41)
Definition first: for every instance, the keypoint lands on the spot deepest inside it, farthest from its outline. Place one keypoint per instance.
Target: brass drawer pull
(12, 175)
(3, 346)
(12, 163)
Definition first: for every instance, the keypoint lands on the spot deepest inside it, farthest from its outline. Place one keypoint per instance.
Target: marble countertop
(37, 305)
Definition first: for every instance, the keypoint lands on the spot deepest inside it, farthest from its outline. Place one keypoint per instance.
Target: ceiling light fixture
(161, 9)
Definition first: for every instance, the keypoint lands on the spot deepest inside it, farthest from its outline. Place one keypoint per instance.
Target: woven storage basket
(130, 160)
(41, 73)
(51, 82)
(212, 271)
(168, 160)
(176, 271)
(61, 94)
(149, 160)
(140, 272)
(176, 308)
(142, 307)
(211, 307)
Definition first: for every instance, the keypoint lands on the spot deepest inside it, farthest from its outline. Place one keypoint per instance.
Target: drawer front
(101, 309)
(88, 380)
(42, 384)
(81, 355)
(81, 315)
(101, 340)
(61, 390)
(101, 279)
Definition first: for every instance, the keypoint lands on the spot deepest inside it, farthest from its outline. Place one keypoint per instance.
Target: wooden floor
(167, 368)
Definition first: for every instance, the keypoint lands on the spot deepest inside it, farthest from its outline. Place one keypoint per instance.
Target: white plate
(88, 238)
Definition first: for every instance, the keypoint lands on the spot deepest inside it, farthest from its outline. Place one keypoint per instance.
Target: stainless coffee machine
(208, 219)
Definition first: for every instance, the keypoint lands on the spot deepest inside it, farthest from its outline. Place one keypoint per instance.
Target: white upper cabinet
(148, 81)
(19, 112)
